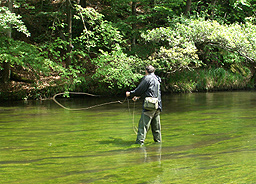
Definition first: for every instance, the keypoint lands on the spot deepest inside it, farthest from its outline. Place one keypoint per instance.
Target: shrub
(212, 79)
(117, 72)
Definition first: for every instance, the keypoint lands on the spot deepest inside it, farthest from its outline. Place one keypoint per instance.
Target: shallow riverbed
(207, 138)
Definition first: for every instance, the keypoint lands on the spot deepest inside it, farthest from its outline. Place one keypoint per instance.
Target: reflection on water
(151, 154)
(207, 138)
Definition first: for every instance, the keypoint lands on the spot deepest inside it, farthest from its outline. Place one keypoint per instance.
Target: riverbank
(201, 80)
(43, 88)
(207, 80)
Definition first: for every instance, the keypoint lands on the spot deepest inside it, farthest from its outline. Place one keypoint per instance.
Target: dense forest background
(103, 46)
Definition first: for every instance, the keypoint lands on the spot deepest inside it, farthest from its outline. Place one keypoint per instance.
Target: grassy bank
(213, 79)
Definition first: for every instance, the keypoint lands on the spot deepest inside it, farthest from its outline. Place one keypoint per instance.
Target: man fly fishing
(149, 91)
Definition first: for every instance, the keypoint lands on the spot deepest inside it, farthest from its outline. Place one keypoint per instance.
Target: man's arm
(141, 89)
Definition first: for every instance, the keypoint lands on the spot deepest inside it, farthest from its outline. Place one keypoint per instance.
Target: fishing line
(98, 105)
(134, 127)
(86, 108)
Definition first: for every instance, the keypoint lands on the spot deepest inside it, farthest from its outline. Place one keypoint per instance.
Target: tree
(69, 22)
(82, 3)
(188, 7)
(229, 11)
(134, 3)
(6, 64)
(196, 42)
(9, 20)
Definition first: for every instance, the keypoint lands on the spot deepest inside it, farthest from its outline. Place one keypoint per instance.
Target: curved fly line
(135, 129)
(86, 108)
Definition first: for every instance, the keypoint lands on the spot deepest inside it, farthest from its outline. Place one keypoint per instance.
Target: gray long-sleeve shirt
(149, 87)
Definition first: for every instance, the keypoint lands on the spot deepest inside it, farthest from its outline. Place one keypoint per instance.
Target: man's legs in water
(149, 118)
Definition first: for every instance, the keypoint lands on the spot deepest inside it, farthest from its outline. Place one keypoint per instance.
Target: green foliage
(22, 54)
(97, 33)
(36, 61)
(55, 50)
(175, 51)
(105, 32)
(71, 75)
(116, 71)
(229, 12)
(209, 80)
(191, 44)
(194, 42)
(7, 19)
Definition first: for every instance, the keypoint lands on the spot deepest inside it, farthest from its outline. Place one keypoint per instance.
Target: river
(208, 138)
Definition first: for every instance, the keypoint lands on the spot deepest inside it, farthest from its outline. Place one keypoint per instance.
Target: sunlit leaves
(97, 32)
(7, 19)
(22, 54)
(181, 44)
(116, 70)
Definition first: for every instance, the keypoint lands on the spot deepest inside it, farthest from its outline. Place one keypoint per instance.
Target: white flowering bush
(195, 42)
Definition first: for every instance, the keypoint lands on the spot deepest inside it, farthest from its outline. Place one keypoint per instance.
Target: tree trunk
(6, 72)
(133, 24)
(152, 6)
(69, 21)
(6, 65)
(213, 3)
(82, 3)
(188, 7)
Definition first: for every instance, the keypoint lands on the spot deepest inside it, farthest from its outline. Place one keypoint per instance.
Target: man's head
(150, 69)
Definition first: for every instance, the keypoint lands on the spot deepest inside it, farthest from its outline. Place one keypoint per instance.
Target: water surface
(207, 138)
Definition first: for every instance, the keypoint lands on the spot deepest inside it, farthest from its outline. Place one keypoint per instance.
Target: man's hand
(135, 98)
(128, 93)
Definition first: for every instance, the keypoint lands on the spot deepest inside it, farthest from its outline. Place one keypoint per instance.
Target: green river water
(208, 138)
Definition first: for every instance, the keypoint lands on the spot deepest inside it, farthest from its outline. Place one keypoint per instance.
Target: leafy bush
(116, 71)
(97, 33)
(22, 54)
(8, 18)
(193, 43)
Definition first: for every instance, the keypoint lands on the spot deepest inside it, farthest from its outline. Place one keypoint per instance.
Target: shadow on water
(117, 141)
(169, 152)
